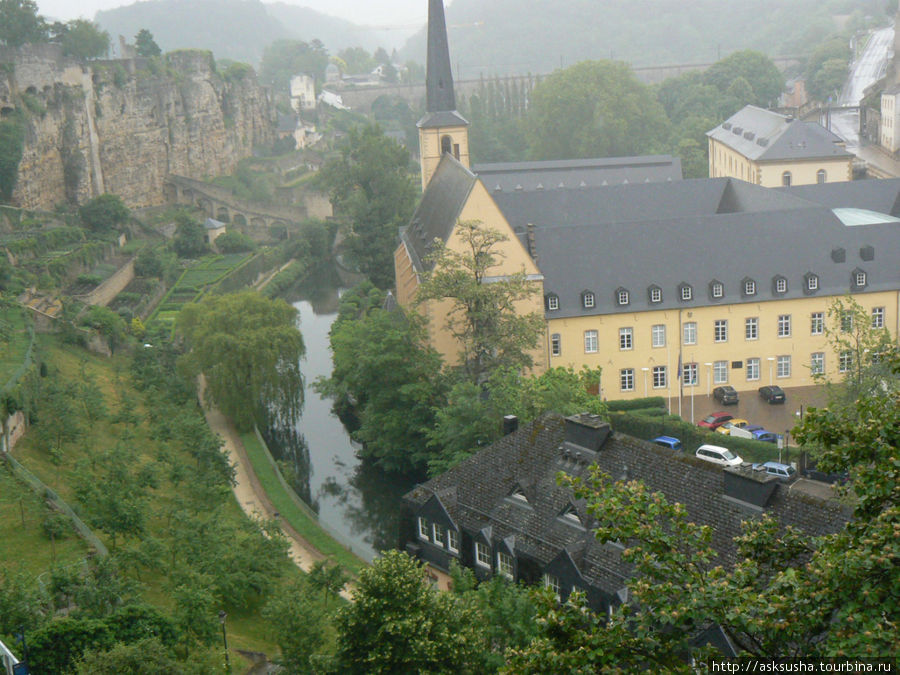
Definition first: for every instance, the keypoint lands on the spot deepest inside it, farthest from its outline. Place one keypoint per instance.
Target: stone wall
(122, 127)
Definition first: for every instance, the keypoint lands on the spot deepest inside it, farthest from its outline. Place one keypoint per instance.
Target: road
(866, 70)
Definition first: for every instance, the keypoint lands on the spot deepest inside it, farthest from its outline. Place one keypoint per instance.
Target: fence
(7, 659)
(45, 492)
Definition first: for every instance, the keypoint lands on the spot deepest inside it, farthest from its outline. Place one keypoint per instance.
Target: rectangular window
(781, 285)
(553, 303)
(845, 361)
(588, 300)
(590, 342)
(660, 377)
(752, 369)
(690, 333)
(555, 345)
(658, 335)
(720, 372)
(686, 293)
(626, 379)
(505, 564)
(482, 555)
(438, 533)
(720, 330)
(812, 283)
(626, 338)
(878, 317)
(817, 363)
(749, 288)
(552, 583)
(817, 323)
(423, 528)
(783, 366)
(718, 290)
(691, 374)
(453, 541)
(847, 321)
(784, 325)
(655, 295)
(751, 328)
(623, 297)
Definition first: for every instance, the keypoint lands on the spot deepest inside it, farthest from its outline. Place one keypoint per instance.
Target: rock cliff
(122, 126)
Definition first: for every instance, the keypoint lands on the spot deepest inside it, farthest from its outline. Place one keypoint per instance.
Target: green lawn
(12, 353)
(298, 517)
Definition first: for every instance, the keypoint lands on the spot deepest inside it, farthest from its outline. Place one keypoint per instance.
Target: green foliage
(397, 623)
(149, 263)
(301, 626)
(234, 242)
(283, 59)
(106, 322)
(146, 657)
(104, 213)
(827, 62)
(237, 71)
(12, 145)
(636, 403)
(496, 113)
(491, 331)
(84, 39)
(190, 237)
(356, 61)
(145, 44)
(373, 192)
(594, 109)
(55, 647)
(20, 23)
(763, 77)
(249, 348)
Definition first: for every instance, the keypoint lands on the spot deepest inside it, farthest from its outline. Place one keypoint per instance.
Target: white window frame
(505, 564)
(845, 361)
(817, 363)
(720, 330)
(424, 530)
(691, 374)
(622, 297)
(590, 342)
(655, 295)
(437, 534)
(720, 372)
(783, 366)
(552, 303)
(781, 285)
(751, 328)
(750, 287)
(555, 344)
(718, 290)
(860, 278)
(658, 335)
(660, 377)
(784, 325)
(817, 323)
(689, 332)
(687, 293)
(812, 282)
(552, 583)
(482, 555)
(588, 300)
(626, 339)
(846, 321)
(878, 317)
(452, 541)
(626, 379)
(753, 369)
(821, 176)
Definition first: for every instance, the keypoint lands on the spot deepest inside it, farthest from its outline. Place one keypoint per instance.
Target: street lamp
(771, 360)
(645, 381)
(708, 379)
(222, 616)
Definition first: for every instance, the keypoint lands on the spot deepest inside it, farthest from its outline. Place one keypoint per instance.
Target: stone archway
(222, 214)
(239, 220)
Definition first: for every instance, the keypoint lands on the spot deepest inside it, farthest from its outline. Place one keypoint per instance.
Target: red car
(714, 421)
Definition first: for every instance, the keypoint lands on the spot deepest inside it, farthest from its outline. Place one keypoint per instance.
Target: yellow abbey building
(669, 285)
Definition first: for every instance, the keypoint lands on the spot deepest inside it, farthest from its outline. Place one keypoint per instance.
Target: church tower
(442, 129)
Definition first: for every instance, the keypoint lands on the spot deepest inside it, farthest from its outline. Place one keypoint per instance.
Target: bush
(637, 403)
(234, 242)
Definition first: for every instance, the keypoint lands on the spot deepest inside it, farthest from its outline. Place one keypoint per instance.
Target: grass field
(12, 352)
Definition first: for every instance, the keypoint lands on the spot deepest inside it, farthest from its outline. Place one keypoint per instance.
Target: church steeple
(443, 130)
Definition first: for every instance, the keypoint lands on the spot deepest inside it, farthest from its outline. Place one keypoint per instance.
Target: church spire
(439, 77)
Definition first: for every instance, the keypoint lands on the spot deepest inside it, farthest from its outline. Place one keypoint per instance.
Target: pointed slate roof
(440, 100)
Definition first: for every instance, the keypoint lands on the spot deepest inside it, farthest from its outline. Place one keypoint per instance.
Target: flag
(678, 375)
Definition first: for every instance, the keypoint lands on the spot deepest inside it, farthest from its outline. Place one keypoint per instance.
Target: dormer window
(570, 515)
(749, 287)
(622, 296)
(780, 285)
(717, 289)
(552, 302)
(655, 294)
(518, 495)
(812, 282)
(686, 292)
(423, 528)
(587, 299)
(859, 279)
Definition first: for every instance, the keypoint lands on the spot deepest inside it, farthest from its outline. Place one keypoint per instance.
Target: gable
(435, 512)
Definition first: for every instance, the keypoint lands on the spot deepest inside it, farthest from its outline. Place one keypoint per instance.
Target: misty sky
(364, 12)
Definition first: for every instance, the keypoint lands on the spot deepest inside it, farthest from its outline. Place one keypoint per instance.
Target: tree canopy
(757, 70)
(283, 59)
(104, 213)
(20, 23)
(145, 44)
(84, 39)
(249, 349)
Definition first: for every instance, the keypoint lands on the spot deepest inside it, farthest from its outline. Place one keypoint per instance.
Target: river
(357, 503)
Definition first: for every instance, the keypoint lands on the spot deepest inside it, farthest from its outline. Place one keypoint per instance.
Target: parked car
(718, 455)
(772, 393)
(783, 472)
(813, 473)
(668, 442)
(726, 395)
(733, 423)
(714, 421)
(764, 435)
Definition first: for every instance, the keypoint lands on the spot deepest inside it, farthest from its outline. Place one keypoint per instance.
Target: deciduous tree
(20, 23)
(104, 213)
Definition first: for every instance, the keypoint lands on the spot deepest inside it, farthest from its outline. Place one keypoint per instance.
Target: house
(214, 229)
(303, 93)
(890, 119)
(770, 149)
(502, 511)
(669, 285)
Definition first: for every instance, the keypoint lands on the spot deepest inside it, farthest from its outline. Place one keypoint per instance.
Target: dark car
(813, 473)
(726, 395)
(714, 421)
(772, 393)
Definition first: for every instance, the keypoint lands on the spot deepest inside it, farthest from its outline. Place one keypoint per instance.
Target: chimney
(586, 432)
(754, 488)
(510, 424)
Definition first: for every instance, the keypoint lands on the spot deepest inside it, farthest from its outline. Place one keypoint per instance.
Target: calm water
(357, 503)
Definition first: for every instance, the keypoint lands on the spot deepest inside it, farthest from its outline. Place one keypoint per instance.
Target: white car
(718, 455)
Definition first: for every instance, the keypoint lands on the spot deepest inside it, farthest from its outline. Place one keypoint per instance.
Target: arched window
(786, 179)
(446, 145)
(821, 176)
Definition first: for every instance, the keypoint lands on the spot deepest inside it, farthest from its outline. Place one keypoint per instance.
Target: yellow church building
(669, 285)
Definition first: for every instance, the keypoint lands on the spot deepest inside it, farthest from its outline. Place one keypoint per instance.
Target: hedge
(636, 403)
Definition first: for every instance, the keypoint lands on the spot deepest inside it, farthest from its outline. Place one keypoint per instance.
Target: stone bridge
(361, 98)
(262, 223)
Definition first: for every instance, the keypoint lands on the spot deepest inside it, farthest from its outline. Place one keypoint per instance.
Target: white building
(890, 119)
(303, 93)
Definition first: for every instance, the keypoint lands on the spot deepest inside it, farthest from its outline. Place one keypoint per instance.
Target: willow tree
(249, 348)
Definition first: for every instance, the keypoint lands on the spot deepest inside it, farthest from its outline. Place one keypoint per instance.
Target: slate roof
(439, 208)
(439, 94)
(766, 136)
(693, 232)
(577, 173)
(476, 493)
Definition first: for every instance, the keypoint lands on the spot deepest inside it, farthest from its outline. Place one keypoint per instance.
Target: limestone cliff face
(122, 126)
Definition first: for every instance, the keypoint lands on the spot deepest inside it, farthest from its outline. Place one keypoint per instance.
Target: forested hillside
(520, 36)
